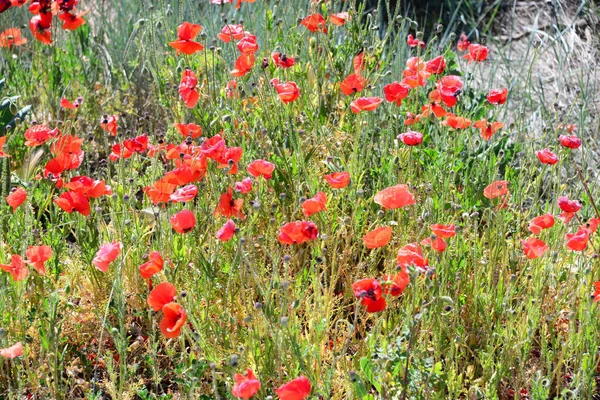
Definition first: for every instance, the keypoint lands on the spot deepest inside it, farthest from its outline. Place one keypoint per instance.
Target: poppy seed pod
(233, 361)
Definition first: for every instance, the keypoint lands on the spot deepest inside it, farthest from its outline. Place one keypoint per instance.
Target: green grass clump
(480, 321)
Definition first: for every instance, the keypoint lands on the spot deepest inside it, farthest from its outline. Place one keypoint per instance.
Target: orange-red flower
(13, 351)
(186, 33)
(370, 292)
(245, 386)
(395, 197)
(546, 156)
(443, 231)
(187, 88)
(395, 285)
(436, 243)
(37, 256)
(378, 237)
(449, 87)
(107, 253)
(339, 19)
(412, 42)
(569, 208)
(69, 105)
(497, 96)
(153, 266)
(537, 224)
(411, 138)
(338, 180)
(247, 44)
(415, 74)
(365, 104)
(411, 254)
(487, 129)
(353, 83)
(436, 66)
(40, 27)
(243, 65)
(534, 248)
(184, 194)
(2, 142)
(71, 20)
(184, 221)
(16, 268)
(463, 43)
(591, 226)
(227, 231)
(287, 91)
(395, 92)
(16, 198)
(174, 317)
(39, 134)
(452, 121)
(73, 201)
(164, 293)
(12, 37)
(315, 23)
(496, 189)
(231, 32)
(109, 123)
(596, 294)
(569, 141)
(245, 186)
(578, 241)
(262, 168)
(283, 60)
(314, 205)
(228, 207)
(138, 144)
(298, 232)
(477, 52)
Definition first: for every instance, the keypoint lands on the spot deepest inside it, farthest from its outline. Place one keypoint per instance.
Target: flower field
(254, 199)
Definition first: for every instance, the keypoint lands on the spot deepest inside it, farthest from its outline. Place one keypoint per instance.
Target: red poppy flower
(436, 243)
(243, 65)
(314, 205)
(227, 231)
(245, 386)
(174, 318)
(72, 21)
(339, 19)
(431, 108)
(378, 237)
(370, 292)
(358, 62)
(40, 27)
(395, 197)
(296, 389)
(13, 351)
(109, 124)
(245, 186)
(184, 194)
(16, 198)
(231, 32)
(443, 231)
(411, 254)
(153, 266)
(282, 60)
(596, 294)
(395, 285)
(567, 205)
(65, 103)
(412, 42)
(497, 96)
(2, 142)
(298, 232)
(365, 104)
(537, 224)
(164, 293)
(578, 241)
(247, 44)
(118, 151)
(338, 180)
(353, 83)
(287, 92)
(228, 207)
(463, 43)
(534, 248)
(315, 23)
(449, 87)
(452, 121)
(187, 88)
(107, 253)
(415, 74)
(73, 201)
(214, 147)
(436, 66)
(12, 37)
(261, 168)
(496, 189)
(411, 138)
(571, 142)
(591, 226)
(395, 92)
(37, 256)
(138, 144)
(39, 134)
(546, 156)
(487, 129)
(184, 221)
(186, 33)
(16, 268)
(477, 52)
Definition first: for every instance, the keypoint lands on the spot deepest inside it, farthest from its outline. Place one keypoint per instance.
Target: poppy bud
(284, 321)
(234, 360)
(448, 308)
(8, 128)
(2, 332)
(258, 305)
(285, 285)
(414, 24)
(439, 28)
(259, 238)
(282, 196)
(287, 258)
(242, 241)
(183, 293)
(265, 63)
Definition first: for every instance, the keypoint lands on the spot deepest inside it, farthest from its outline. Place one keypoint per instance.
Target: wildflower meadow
(303, 199)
